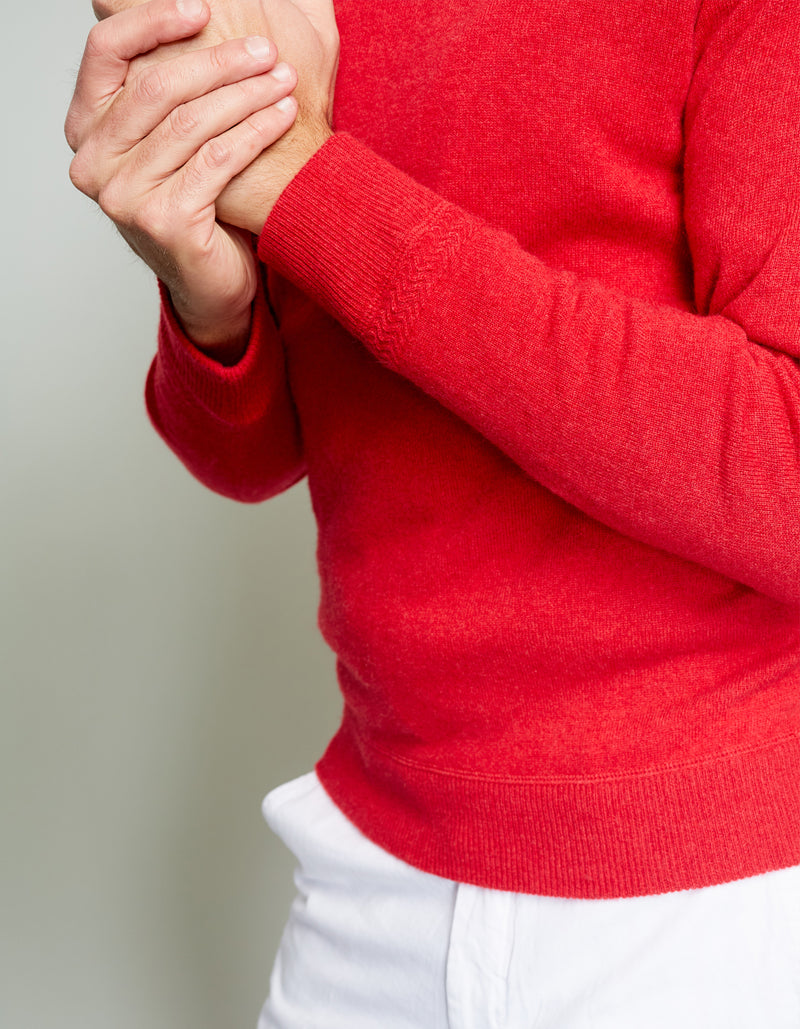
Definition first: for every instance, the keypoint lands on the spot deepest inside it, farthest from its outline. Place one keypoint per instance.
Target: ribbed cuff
(354, 232)
(237, 394)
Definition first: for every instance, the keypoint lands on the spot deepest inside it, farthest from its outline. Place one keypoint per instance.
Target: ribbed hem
(236, 394)
(364, 240)
(727, 818)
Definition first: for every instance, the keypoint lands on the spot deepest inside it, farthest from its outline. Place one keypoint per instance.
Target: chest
(464, 96)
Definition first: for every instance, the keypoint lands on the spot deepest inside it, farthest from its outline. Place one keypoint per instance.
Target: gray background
(161, 666)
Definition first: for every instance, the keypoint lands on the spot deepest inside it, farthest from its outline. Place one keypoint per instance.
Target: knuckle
(253, 129)
(153, 222)
(219, 59)
(245, 87)
(240, 96)
(78, 174)
(194, 175)
(71, 131)
(97, 41)
(102, 9)
(184, 121)
(112, 203)
(151, 87)
(216, 153)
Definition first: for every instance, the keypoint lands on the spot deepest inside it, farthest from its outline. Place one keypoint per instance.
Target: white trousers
(373, 943)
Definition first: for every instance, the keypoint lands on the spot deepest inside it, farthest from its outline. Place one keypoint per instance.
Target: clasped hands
(189, 119)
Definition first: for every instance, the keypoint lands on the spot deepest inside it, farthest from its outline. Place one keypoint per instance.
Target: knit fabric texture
(530, 324)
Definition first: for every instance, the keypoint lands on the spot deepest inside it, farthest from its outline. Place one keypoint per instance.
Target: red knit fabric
(534, 336)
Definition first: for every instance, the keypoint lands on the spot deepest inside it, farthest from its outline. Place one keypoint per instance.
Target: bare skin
(186, 138)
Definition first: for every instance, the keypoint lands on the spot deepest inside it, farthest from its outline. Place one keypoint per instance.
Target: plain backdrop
(161, 666)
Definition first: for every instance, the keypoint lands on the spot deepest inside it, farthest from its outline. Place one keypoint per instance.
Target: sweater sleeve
(234, 428)
(678, 429)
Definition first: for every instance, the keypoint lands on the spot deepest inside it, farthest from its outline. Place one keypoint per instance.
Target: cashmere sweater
(529, 322)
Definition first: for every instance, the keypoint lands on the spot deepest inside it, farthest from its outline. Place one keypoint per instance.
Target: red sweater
(533, 335)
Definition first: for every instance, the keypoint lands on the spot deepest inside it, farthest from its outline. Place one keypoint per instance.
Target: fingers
(180, 214)
(168, 184)
(148, 98)
(198, 184)
(154, 94)
(186, 128)
(116, 41)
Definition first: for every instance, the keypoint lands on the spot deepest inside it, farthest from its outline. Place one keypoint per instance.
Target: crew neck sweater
(529, 322)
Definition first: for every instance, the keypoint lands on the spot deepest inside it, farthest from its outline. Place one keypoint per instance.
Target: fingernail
(282, 72)
(286, 105)
(190, 8)
(257, 47)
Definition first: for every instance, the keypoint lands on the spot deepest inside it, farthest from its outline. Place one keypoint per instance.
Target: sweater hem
(665, 830)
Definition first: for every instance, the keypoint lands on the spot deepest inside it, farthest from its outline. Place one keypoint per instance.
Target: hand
(155, 148)
(306, 36)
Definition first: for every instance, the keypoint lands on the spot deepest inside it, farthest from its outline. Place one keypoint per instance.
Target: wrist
(285, 161)
(224, 341)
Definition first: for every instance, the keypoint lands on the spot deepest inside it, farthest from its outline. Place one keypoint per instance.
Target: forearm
(249, 201)
(234, 428)
(670, 427)
(225, 341)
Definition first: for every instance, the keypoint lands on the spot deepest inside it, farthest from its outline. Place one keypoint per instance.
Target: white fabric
(373, 943)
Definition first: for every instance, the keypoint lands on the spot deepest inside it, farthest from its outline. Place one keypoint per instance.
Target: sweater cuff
(363, 239)
(237, 394)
